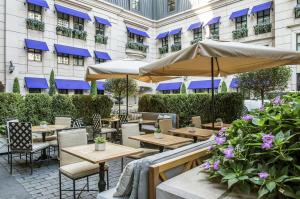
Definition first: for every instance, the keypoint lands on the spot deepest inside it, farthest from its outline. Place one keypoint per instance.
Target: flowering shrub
(261, 152)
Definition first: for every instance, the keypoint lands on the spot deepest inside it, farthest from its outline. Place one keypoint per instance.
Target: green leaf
(293, 179)
(232, 182)
(245, 188)
(262, 191)
(297, 167)
(229, 176)
(256, 180)
(281, 178)
(271, 186)
(279, 136)
(255, 121)
(288, 193)
(243, 178)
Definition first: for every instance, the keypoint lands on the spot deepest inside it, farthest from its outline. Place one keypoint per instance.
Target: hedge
(228, 106)
(35, 108)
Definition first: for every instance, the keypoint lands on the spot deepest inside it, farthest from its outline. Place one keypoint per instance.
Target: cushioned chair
(71, 166)
(7, 134)
(98, 129)
(20, 141)
(196, 121)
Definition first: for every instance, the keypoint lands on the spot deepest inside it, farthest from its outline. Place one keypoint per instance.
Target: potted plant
(158, 134)
(100, 143)
(192, 128)
(43, 124)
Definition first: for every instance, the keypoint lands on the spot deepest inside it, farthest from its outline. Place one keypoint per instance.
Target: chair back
(77, 123)
(20, 136)
(69, 138)
(64, 121)
(97, 123)
(130, 129)
(196, 121)
(165, 125)
(7, 126)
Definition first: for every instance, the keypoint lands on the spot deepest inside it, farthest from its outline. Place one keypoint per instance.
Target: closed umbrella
(213, 58)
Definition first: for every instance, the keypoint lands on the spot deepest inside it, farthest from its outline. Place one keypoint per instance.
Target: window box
(79, 34)
(163, 50)
(215, 36)
(262, 28)
(175, 47)
(137, 46)
(240, 33)
(35, 25)
(61, 30)
(196, 40)
(101, 39)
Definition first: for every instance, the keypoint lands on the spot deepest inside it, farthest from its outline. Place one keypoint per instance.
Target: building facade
(38, 36)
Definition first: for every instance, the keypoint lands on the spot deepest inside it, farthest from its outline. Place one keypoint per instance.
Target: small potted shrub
(100, 143)
(43, 124)
(158, 134)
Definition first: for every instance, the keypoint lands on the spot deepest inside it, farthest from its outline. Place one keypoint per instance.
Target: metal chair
(98, 129)
(20, 141)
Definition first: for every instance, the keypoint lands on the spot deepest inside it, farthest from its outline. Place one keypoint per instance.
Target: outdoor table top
(147, 122)
(200, 133)
(217, 126)
(49, 128)
(111, 119)
(166, 140)
(112, 151)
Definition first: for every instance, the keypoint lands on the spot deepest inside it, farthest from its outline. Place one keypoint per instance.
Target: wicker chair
(20, 141)
(72, 167)
(99, 130)
(196, 121)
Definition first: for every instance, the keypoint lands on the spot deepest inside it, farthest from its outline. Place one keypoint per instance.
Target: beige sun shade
(229, 58)
(120, 69)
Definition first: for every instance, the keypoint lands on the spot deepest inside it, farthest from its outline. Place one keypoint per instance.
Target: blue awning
(137, 32)
(37, 45)
(72, 84)
(34, 82)
(234, 83)
(71, 12)
(204, 84)
(61, 49)
(102, 55)
(100, 86)
(195, 26)
(162, 35)
(102, 21)
(169, 86)
(41, 3)
(214, 21)
(175, 31)
(239, 13)
(261, 7)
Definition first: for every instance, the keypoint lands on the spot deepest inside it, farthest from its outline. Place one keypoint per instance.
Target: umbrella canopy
(229, 58)
(121, 69)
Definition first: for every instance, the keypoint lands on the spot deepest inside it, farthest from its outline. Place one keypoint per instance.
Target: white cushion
(79, 169)
(39, 146)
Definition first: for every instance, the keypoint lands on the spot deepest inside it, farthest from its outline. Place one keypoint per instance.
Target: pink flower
(277, 100)
(206, 165)
(217, 165)
(229, 152)
(220, 140)
(247, 118)
(263, 175)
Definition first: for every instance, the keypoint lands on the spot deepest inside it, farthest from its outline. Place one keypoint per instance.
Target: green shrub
(38, 108)
(228, 106)
(52, 89)
(102, 104)
(93, 90)
(16, 86)
(11, 106)
(62, 105)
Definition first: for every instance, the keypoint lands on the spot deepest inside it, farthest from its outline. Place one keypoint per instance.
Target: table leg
(44, 155)
(195, 139)
(161, 149)
(101, 183)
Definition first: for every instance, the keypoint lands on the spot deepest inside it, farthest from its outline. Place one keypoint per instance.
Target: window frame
(298, 42)
(165, 42)
(139, 39)
(135, 5)
(37, 12)
(241, 22)
(197, 33)
(34, 90)
(63, 20)
(63, 56)
(63, 91)
(130, 37)
(99, 60)
(78, 23)
(100, 92)
(78, 60)
(297, 81)
(78, 92)
(177, 38)
(265, 18)
(166, 92)
(171, 4)
(35, 52)
(100, 29)
(214, 28)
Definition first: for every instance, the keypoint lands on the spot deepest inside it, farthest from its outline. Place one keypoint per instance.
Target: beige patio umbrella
(213, 58)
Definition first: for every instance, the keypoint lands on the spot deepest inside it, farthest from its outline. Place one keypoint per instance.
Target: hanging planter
(35, 25)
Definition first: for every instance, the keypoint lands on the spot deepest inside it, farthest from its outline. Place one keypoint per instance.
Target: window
(34, 12)
(78, 61)
(63, 20)
(78, 23)
(135, 5)
(100, 29)
(171, 5)
(166, 92)
(214, 31)
(78, 92)
(63, 91)
(34, 55)
(98, 61)
(130, 36)
(197, 33)
(63, 59)
(241, 22)
(140, 39)
(177, 38)
(298, 42)
(298, 82)
(34, 90)
(263, 17)
(164, 42)
(176, 91)
(100, 92)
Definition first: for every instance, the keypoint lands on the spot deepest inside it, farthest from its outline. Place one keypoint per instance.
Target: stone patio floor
(43, 183)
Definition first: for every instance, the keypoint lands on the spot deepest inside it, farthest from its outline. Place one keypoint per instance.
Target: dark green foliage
(228, 106)
(93, 91)
(183, 89)
(52, 89)
(62, 105)
(11, 106)
(223, 87)
(16, 86)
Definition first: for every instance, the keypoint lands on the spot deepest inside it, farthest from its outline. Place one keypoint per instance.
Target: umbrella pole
(127, 97)
(212, 93)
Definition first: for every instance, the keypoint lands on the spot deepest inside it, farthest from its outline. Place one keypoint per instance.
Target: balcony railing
(175, 47)
(101, 39)
(240, 33)
(35, 25)
(69, 32)
(262, 28)
(163, 50)
(196, 40)
(137, 46)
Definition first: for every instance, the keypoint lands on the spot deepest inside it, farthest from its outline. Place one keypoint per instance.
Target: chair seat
(80, 169)
(108, 130)
(145, 152)
(148, 128)
(39, 146)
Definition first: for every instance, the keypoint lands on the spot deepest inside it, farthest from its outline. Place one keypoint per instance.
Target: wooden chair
(188, 161)
(196, 121)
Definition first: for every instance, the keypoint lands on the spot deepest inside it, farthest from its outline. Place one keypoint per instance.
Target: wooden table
(202, 134)
(217, 126)
(166, 140)
(112, 151)
(114, 122)
(44, 131)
